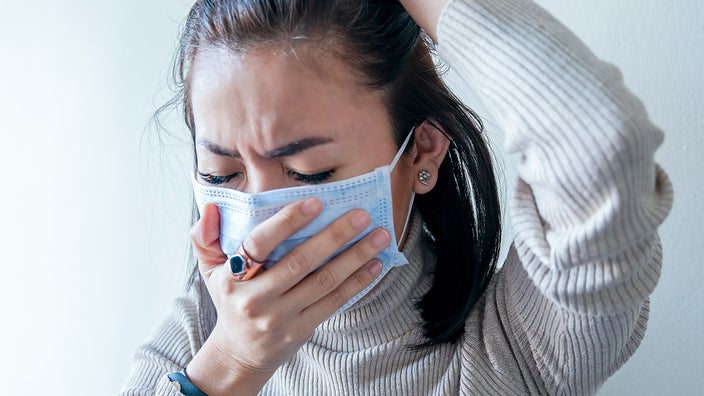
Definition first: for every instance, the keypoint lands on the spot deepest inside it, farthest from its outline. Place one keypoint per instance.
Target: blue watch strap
(181, 382)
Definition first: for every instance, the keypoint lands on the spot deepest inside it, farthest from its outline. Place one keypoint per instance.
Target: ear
(430, 147)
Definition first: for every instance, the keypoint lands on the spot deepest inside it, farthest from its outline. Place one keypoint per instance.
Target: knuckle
(288, 218)
(254, 247)
(325, 279)
(297, 261)
(292, 338)
(249, 307)
(337, 298)
(361, 280)
(361, 252)
(268, 324)
(194, 233)
(337, 234)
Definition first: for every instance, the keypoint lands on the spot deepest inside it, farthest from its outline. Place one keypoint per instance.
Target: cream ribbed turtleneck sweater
(569, 306)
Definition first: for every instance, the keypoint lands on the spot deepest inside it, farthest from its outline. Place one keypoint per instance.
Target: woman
(315, 124)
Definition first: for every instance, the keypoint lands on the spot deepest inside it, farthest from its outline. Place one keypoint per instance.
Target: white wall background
(95, 216)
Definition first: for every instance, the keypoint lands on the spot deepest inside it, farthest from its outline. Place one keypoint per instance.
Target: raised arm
(589, 188)
(572, 297)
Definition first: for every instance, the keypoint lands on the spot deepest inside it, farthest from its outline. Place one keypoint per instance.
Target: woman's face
(271, 119)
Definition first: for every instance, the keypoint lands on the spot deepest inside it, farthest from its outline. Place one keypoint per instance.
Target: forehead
(296, 70)
(268, 94)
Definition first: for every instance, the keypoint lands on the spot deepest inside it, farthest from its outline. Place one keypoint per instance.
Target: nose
(266, 178)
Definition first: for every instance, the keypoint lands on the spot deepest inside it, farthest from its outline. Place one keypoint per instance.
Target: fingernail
(360, 220)
(311, 206)
(380, 238)
(375, 268)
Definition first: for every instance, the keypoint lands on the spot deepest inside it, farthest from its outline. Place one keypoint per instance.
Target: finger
(308, 256)
(273, 231)
(211, 225)
(329, 277)
(205, 237)
(328, 305)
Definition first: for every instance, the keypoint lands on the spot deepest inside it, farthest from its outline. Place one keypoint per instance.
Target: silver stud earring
(423, 177)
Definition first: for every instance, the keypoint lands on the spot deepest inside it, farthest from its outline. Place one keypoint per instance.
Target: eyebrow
(217, 149)
(286, 150)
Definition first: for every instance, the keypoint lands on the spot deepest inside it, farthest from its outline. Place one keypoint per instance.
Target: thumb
(205, 236)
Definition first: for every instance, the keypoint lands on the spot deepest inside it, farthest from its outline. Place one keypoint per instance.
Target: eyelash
(215, 180)
(315, 178)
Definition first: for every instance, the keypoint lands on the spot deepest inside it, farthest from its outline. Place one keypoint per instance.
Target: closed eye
(315, 178)
(215, 180)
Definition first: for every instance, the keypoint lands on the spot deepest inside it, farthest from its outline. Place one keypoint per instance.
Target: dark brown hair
(387, 51)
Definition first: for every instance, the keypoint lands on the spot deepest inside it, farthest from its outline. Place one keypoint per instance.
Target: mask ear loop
(402, 237)
(408, 220)
(400, 151)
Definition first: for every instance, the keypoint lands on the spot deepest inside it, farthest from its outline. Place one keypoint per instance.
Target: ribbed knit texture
(569, 306)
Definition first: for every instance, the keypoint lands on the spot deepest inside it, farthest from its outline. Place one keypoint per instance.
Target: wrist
(216, 372)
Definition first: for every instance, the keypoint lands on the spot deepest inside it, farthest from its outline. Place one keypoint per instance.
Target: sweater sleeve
(571, 300)
(171, 348)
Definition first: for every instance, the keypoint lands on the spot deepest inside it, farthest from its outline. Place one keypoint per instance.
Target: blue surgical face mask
(240, 213)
